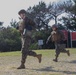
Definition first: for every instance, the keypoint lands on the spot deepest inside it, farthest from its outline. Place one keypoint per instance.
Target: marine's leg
(34, 54)
(30, 52)
(57, 53)
(22, 66)
(63, 50)
(66, 51)
(56, 57)
(24, 54)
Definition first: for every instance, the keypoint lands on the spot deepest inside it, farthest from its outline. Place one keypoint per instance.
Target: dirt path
(65, 66)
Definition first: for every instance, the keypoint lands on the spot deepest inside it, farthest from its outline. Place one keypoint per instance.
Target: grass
(9, 61)
(15, 53)
(52, 74)
(45, 52)
(73, 50)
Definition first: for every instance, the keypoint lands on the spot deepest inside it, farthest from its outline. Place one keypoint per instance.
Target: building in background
(70, 38)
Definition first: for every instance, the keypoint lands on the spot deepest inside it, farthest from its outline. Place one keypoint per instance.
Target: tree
(70, 20)
(40, 15)
(55, 9)
(13, 23)
(1, 24)
(9, 39)
(73, 15)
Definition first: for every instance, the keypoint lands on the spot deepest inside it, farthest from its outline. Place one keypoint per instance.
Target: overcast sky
(9, 8)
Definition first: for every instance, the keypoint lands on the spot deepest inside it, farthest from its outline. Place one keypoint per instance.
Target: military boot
(68, 53)
(56, 60)
(39, 56)
(22, 66)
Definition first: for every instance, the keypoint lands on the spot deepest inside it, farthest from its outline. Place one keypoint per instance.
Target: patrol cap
(22, 11)
(54, 26)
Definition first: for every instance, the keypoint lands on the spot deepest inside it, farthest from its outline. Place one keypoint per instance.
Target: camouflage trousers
(60, 48)
(26, 41)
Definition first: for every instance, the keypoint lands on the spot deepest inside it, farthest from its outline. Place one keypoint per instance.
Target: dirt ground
(65, 66)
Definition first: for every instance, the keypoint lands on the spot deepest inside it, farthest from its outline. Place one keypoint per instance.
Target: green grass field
(9, 61)
(45, 52)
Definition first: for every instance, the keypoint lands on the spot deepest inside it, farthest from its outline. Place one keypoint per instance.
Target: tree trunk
(55, 20)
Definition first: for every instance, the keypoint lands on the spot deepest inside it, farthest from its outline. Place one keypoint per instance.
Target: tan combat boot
(55, 60)
(39, 56)
(68, 53)
(22, 66)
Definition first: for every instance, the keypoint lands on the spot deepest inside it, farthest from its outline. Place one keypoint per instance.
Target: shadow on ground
(74, 61)
(50, 69)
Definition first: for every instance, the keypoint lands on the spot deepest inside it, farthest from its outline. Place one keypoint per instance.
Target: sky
(9, 8)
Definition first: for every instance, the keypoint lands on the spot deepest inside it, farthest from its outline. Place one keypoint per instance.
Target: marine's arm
(48, 39)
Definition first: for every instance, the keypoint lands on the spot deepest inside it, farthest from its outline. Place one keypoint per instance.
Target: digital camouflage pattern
(25, 27)
(58, 38)
(21, 24)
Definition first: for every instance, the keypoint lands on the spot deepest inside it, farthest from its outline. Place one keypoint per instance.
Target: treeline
(42, 14)
(9, 39)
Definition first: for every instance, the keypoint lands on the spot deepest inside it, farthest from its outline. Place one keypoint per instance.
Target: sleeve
(49, 38)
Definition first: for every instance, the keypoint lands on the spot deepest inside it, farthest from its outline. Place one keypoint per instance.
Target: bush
(9, 40)
(34, 46)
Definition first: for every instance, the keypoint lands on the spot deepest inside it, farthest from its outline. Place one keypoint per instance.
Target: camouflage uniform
(28, 25)
(58, 38)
